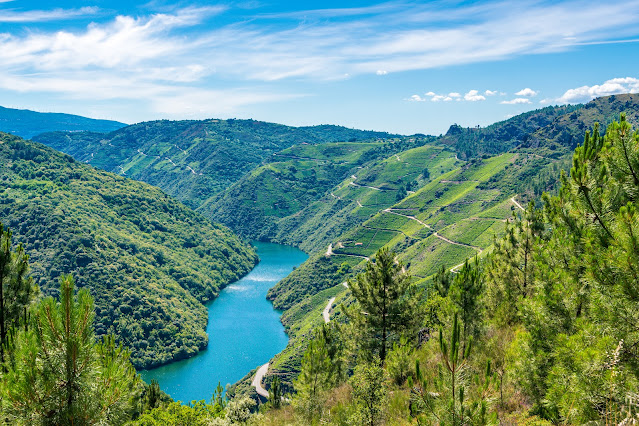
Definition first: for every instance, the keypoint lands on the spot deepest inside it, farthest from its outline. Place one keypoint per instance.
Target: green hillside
(552, 131)
(26, 123)
(286, 199)
(454, 215)
(541, 330)
(192, 160)
(149, 261)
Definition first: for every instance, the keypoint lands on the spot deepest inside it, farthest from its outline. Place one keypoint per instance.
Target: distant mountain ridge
(193, 160)
(552, 131)
(26, 123)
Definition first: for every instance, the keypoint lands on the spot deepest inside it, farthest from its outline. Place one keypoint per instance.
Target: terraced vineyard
(450, 217)
(438, 225)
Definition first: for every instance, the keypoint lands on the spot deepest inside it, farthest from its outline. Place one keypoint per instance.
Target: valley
(321, 202)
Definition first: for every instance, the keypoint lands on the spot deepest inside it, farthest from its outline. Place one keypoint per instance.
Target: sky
(399, 66)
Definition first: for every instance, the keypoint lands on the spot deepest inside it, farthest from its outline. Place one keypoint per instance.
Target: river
(244, 330)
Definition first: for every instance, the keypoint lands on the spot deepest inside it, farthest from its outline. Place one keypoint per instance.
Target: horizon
(400, 66)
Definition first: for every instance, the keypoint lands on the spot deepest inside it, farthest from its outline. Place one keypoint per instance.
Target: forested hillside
(452, 215)
(149, 261)
(192, 160)
(26, 124)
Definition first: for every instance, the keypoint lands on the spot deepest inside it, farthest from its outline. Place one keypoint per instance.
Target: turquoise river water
(244, 331)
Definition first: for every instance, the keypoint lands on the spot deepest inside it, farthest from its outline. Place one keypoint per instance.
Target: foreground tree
(17, 290)
(370, 394)
(452, 394)
(465, 293)
(57, 373)
(313, 382)
(387, 304)
(577, 359)
(513, 265)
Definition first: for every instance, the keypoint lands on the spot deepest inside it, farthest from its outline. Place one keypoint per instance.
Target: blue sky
(399, 66)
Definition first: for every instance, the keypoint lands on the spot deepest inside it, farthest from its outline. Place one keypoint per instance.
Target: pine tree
(313, 381)
(275, 393)
(153, 396)
(465, 292)
(59, 375)
(513, 265)
(388, 304)
(576, 359)
(17, 290)
(454, 363)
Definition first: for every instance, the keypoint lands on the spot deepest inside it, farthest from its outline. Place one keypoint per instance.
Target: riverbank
(243, 328)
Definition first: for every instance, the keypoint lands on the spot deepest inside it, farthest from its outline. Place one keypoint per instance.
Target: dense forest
(149, 261)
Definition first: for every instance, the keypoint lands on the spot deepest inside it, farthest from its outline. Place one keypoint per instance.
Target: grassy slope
(149, 261)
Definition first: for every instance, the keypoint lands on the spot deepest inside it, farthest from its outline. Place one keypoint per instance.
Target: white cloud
(471, 96)
(526, 92)
(11, 16)
(517, 101)
(474, 96)
(490, 93)
(416, 98)
(381, 72)
(546, 101)
(326, 46)
(610, 87)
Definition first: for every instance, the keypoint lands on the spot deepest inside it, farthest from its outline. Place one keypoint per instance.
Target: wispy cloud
(610, 87)
(160, 55)
(12, 16)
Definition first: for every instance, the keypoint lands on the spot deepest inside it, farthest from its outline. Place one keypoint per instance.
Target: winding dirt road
(327, 310)
(257, 380)
(517, 204)
(441, 237)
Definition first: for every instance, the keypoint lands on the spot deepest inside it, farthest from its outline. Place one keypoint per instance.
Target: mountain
(150, 262)
(273, 200)
(192, 160)
(26, 123)
(452, 215)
